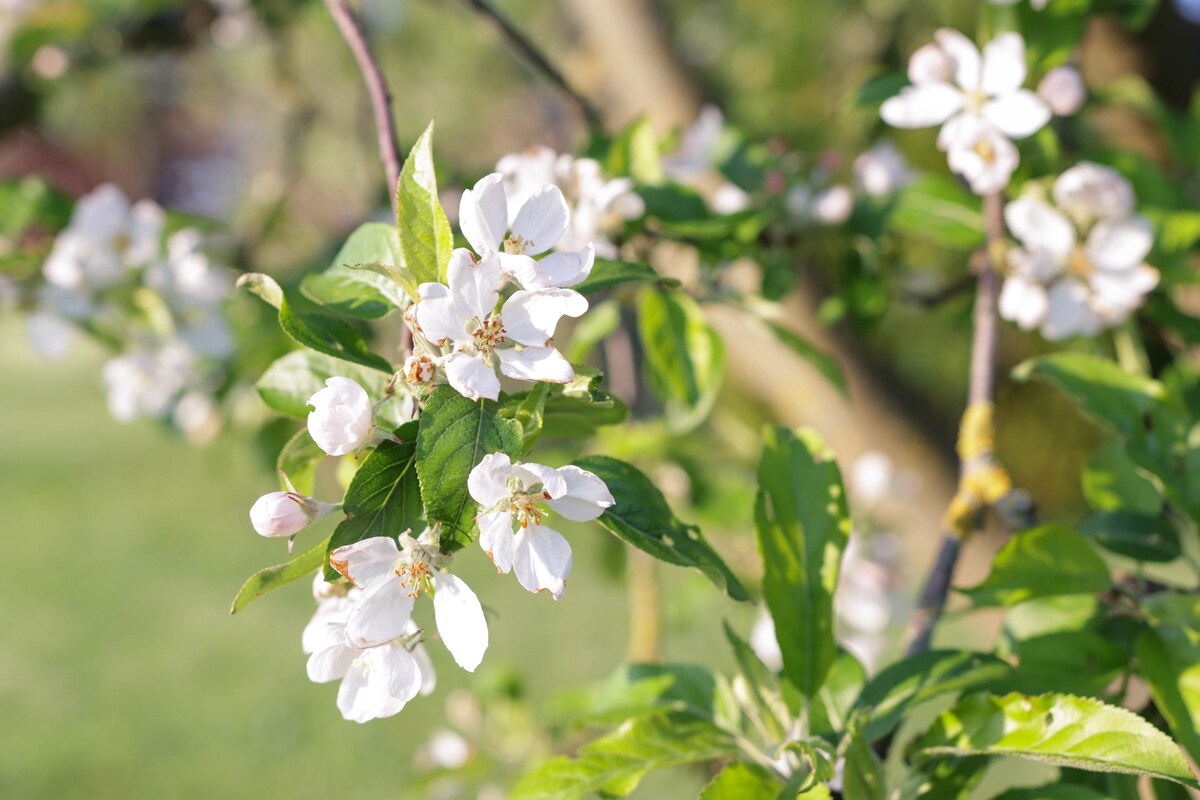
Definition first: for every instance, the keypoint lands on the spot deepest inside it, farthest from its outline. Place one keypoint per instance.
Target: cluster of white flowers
(879, 172)
(694, 163)
(598, 206)
(980, 102)
(1081, 265)
(111, 271)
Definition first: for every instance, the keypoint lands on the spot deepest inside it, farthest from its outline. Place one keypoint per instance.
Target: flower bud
(418, 369)
(285, 513)
(341, 419)
(1063, 90)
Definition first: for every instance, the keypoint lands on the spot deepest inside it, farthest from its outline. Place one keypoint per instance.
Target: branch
(381, 100)
(530, 52)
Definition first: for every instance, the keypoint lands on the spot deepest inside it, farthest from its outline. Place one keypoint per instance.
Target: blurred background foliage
(120, 674)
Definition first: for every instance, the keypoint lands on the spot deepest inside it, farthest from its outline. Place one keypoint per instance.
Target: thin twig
(531, 53)
(381, 100)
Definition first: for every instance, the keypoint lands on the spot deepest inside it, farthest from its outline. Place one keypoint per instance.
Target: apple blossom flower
(419, 369)
(833, 206)
(377, 682)
(286, 513)
(538, 225)
(392, 577)
(147, 382)
(694, 163)
(1063, 90)
(511, 494)
(882, 170)
(49, 334)
(461, 317)
(342, 419)
(1080, 267)
(977, 99)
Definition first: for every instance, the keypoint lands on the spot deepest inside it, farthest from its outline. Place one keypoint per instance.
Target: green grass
(121, 672)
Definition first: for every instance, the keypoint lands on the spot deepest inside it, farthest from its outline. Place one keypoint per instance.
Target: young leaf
(292, 379)
(364, 293)
(576, 410)
(831, 709)
(824, 363)
(1168, 657)
(1139, 536)
(890, 695)
(642, 518)
(329, 335)
(298, 460)
(1041, 562)
(742, 781)
(763, 687)
(802, 524)
(384, 496)
(270, 578)
(862, 774)
(1060, 729)
(685, 357)
(528, 409)
(455, 434)
(1112, 482)
(425, 238)
(614, 764)
(607, 273)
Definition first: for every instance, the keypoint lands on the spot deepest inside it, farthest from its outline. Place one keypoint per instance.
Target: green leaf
(802, 524)
(1059, 729)
(1112, 481)
(384, 496)
(576, 410)
(824, 363)
(763, 687)
(635, 152)
(1139, 536)
(643, 519)
(685, 357)
(329, 335)
(890, 695)
(614, 764)
(862, 773)
(292, 379)
(1113, 397)
(528, 409)
(875, 90)
(607, 273)
(270, 578)
(1041, 562)
(742, 781)
(639, 689)
(352, 286)
(831, 709)
(425, 236)
(455, 434)
(937, 208)
(298, 460)
(1168, 657)
(263, 286)
(1053, 791)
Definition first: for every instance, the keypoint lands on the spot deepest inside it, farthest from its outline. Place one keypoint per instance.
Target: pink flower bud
(1063, 90)
(285, 513)
(342, 419)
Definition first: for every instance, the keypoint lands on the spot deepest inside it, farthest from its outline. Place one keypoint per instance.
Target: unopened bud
(279, 514)
(1063, 90)
(341, 419)
(418, 369)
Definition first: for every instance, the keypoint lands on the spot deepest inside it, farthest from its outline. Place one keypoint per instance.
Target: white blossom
(977, 99)
(1081, 264)
(392, 577)
(49, 334)
(882, 170)
(341, 420)
(694, 163)
(512, 494)
(538, 224)
(833, 206)
(147, 382)
(1063, 90)
(286, 513)
(461, 318)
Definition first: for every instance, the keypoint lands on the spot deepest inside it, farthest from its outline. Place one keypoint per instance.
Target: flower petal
(1088, 192)
(1069, 313)
(531, 475)
(381, 615)
(483, 214)
(460, 620)
(488, 481)
(425, 665)
(1018, 114)
(531, 317)
(922, 106)
(542, 220)
(437, 318)
(357, 699)
(965, 55)
(1023, 302)
(367, 561)
(536, 364)
(397, 668)
(330, 664)
(1003, 70)
(930, 64)
(1115, 245)
(1116, 294)
(543, 560)
(567, 269)
(496, 538)
(472, 376)
(475, 285)
(1040, 226)
(586, 498)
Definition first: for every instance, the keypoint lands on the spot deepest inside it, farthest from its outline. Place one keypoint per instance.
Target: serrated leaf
(384, 496)
(455, 434)
(1041, 562)
(643, 519)
(1139, 536)
(298, 460)
(607, 273)
(1168, 657)
(890, 695)
(685, 357)
(742, 781)
(1060, 729)
(366, 293)
(329, 335)
(803, 526)
(614, 764)
(824, 363)
(936, 208)
(425, 236)
(293, 569)
(292, 379)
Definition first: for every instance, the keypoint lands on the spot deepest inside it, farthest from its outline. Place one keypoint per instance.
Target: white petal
(101, 215)
(1023, 302)
(1037, 266)
(475, 285)
(531, 317)
(330, 664)
(1116, 294)
(381, 615)
(1115, 245)
(1090, 191)
(531, 475)
(930, 64)
(327, 628)
(483, 214)
(471, 376)
(488, 480)
(543, 560)
(358, 699)
(922, 106)
(1003, 69)
(965, 55)
(425, 665)
(524, 269)
(398, 669)
(1018, 114)
(536, 364)
(586, 498)
(1040, 226)
(553, 271)
(367, 561)
(542, 220)
(1069, 313)
(460, 620)
(497, 539)
(437, 317)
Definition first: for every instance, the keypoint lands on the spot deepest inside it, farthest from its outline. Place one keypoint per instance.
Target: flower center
(121, 242)
(985, 150)
(488, 334)
(414, 575)
(516, 246)
(419, 369)
(525, 508)
(1079, 263)
(975, 101)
